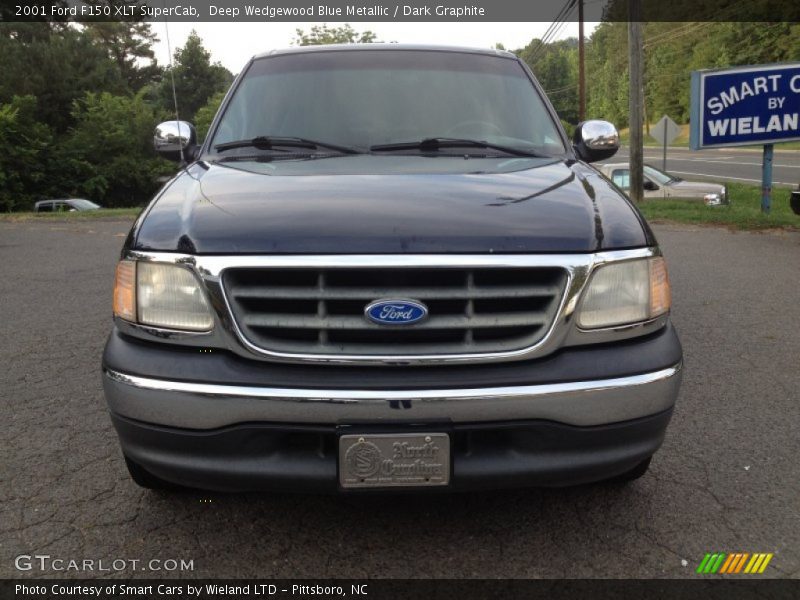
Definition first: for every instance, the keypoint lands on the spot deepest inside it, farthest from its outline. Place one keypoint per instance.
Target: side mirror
(595, 140)
(650, 186)
(173, 138)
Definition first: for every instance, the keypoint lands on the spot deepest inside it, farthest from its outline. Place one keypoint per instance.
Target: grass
(743, 213)
(106, 213)
(682, 141)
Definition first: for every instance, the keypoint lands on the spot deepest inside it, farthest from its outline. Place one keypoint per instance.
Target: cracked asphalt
(727, 478)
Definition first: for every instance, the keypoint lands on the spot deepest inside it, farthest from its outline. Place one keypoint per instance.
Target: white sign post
(665, 131)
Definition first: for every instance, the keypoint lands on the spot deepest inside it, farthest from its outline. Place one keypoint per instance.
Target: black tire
(144, 478)
(634, 473)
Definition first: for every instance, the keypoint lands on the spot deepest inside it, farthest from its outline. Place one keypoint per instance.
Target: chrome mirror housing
(175, 140)
(596, 140)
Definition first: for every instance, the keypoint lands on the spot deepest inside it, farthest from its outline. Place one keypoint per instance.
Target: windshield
(83, 204)
(657, 175)
(365, 98)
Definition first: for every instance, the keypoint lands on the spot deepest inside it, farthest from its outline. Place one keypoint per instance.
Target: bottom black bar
(709, 587)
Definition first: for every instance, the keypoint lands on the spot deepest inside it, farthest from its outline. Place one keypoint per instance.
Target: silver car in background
(65, 205)
(659, 184)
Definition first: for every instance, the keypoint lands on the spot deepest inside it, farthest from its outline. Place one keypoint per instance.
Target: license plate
(394, 460)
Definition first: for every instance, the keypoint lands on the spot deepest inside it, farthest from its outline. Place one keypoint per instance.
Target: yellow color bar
(764, 564)
(752, 567)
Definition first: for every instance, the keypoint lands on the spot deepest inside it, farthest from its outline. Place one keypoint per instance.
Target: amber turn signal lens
(660, 294)
(125, 290)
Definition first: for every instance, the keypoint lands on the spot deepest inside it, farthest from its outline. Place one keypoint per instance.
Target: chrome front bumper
(207, 406)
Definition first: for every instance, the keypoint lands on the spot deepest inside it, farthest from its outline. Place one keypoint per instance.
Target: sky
(233, 44)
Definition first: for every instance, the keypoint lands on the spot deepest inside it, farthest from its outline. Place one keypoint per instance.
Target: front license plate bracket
(394, 460)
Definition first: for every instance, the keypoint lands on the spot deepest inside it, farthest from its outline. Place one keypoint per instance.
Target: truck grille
(321, 311)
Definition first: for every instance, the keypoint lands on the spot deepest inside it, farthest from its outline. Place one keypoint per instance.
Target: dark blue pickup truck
(388, 268)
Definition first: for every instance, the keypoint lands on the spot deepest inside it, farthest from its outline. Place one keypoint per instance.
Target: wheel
(145, 479)
(634, 473)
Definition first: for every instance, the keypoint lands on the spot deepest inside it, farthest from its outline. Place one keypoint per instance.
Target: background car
(660, 184)
(65, 205)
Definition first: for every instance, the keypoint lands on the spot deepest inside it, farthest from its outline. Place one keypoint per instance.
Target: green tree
(607, 74)
(56, 65)
(556, 67)
(25, 146)
(196, 78)
(109, 154)
(343, 34)
(206, 114)
(130, 46)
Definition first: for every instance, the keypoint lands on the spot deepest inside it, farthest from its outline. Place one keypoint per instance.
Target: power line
(558, 22)
(723, 15)
(562, 89)
(542, 49)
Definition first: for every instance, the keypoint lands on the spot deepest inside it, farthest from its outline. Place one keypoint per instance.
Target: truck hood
(547, 206)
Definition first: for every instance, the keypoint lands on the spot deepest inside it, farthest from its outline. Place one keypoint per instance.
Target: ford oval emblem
(395, 312)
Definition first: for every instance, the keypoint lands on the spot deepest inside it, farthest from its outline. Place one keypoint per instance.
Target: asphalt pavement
(727, 478)
(738, 165)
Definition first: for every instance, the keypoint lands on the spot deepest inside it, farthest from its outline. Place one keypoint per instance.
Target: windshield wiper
(268, 142)
(437, 143)
(271, 157)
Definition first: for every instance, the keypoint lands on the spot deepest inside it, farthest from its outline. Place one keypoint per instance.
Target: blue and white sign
(744, 106)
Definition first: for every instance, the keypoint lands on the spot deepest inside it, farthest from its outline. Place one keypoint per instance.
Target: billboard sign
(745, 106)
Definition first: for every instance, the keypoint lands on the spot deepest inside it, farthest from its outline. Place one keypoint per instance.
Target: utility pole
(636, 100)
(581, 72)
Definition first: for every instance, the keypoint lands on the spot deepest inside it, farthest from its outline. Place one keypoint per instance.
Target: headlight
(624, 293)
(163, 295)
(712, 199)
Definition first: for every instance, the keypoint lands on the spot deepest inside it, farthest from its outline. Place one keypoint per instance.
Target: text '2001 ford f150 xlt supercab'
(388, 268)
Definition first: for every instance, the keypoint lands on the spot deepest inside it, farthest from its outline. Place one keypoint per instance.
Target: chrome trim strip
(227, 334)
(202, 405)
(312, 395)
(213, 265)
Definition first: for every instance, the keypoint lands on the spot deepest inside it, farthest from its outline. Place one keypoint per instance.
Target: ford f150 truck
(388, 268)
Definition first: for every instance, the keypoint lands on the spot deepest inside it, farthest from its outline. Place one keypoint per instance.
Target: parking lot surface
(727, 478)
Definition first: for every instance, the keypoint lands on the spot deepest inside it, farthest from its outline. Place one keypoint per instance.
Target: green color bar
(718, 564)
(711, 562)
(703, 563)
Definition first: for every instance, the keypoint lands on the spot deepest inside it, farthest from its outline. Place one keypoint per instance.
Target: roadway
(727, 478)
(736, 165)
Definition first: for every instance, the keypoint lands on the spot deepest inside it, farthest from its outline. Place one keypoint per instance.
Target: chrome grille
(321, 311)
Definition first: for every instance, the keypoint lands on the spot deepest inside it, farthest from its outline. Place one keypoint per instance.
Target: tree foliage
(323, 34)
(671, 52)
(55, 65)
(196, 78)
(109, 155)
(25, 146)
(130, 46)
(78, 103)
(556, 68)
(206, 114)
